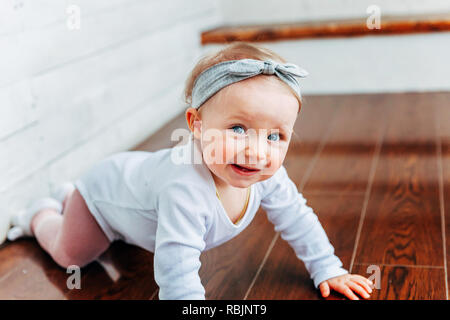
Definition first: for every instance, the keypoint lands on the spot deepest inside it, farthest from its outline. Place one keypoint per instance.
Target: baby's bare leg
(73, 238)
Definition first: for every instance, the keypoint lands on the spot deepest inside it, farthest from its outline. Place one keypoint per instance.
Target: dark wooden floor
(376, 170)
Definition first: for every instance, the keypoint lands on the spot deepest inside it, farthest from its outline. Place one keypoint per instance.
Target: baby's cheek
(212, 153)
(230, 150)
(275, 158)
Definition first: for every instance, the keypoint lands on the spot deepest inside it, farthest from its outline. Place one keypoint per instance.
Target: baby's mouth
(245, 169)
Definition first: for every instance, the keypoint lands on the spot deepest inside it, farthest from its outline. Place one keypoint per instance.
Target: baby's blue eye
(240, 130)
(276, 135)
(243, 131)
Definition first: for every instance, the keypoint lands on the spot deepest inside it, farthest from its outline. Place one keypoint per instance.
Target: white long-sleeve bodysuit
(170, 208)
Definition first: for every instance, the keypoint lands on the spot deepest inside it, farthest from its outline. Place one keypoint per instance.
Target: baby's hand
(346, 284)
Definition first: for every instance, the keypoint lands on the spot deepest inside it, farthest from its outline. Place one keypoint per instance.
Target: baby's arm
(298, 224)
(178, 245)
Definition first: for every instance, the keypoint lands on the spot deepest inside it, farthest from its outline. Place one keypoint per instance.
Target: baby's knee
(65, 260)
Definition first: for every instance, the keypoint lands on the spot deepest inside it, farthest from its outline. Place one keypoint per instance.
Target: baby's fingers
(364, 283)
(358, 289)
(324, 289)
(345, 290)
(361, 279)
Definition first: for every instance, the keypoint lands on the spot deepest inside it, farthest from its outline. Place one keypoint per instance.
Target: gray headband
(225, 73)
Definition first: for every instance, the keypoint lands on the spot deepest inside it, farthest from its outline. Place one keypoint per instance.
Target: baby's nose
(257, 149)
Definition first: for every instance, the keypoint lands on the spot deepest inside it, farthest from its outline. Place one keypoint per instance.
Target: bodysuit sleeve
(297, 223)
(179, 242)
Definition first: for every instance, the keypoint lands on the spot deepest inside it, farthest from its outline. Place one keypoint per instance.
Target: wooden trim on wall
(321, 29)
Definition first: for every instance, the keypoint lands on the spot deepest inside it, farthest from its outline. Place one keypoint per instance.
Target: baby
(244, 101)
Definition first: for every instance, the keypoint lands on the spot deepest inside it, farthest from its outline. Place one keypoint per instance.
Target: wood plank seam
(373, 167)
(266, 256)
(397, 265)
(154, 294)
(441, 194)
(5, 276)
(336, 194)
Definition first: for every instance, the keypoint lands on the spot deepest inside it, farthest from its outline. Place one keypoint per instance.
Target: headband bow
(249, 67)
(225, 73)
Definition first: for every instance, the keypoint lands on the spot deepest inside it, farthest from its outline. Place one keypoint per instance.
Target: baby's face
(248, 123)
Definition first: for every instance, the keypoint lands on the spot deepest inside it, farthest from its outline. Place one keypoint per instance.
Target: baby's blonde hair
(235, 51)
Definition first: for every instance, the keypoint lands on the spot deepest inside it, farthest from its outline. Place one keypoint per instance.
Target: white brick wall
(71, 97)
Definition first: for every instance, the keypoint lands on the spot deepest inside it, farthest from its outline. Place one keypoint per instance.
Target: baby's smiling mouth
(245, 169)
